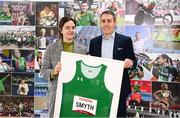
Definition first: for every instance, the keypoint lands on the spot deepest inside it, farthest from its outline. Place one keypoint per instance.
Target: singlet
(137, 88)
(85, 95)
(20, 64)
(165, 94)
(2, 84)
(164, 73)
(42, 42)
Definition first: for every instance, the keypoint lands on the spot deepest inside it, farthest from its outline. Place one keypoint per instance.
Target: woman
(51, 61)
(42, 38)
(23, 88)
(19, 63)
(166, 70)
(164, 96)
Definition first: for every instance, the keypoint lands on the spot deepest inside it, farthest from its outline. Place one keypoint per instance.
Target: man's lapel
(99, 46)
(116, 42)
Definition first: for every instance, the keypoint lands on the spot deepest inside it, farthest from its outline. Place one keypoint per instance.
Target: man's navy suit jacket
(122, 49)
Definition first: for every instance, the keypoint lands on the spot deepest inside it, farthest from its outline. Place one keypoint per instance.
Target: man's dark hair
(109, 12)
(84, 1)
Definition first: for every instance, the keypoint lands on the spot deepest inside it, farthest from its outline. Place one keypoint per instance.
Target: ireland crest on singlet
(86, 94)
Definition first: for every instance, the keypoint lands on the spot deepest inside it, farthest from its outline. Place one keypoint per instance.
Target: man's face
(138, 35)
(107, 24)
(84, 7)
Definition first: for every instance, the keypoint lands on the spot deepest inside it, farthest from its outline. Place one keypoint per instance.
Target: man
(138, 43)
(116, 46)
(84, 18)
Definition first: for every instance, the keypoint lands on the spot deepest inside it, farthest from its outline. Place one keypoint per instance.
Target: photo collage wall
(27, 28)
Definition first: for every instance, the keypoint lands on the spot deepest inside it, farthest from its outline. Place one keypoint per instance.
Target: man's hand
(128, 63)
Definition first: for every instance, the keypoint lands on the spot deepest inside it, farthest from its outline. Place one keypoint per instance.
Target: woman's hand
(57, 69)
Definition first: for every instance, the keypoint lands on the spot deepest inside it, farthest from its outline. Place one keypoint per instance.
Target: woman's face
(43, 32)
(161, 60)
(166, 87)
(68, 30)
(22, 81)
(17, 53)
(39, 54)
(52, 32)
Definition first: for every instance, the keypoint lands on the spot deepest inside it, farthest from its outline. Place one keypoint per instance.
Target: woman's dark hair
(163, 85)
(168, 59)
(62, 22)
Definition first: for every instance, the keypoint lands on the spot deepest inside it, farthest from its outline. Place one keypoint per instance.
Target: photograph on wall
(88, 82)
(156, 67)
(5, 13)
(38, 78)
(141, 38)
(23, 84)
(23, 61)
(66, 8)
(23, 13)
(85, 12)
(165, 95)
(16, 106)
(152, 12)
(39, 55)
(5, 84)
(47, 13)
(17, 37)
(85, 34)
(141, 93)
(5, 60)
(41, 89)
(46, 36)
(166, 39)
(139, 100)
(116, 6)
(40, 107)
(145, 110)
